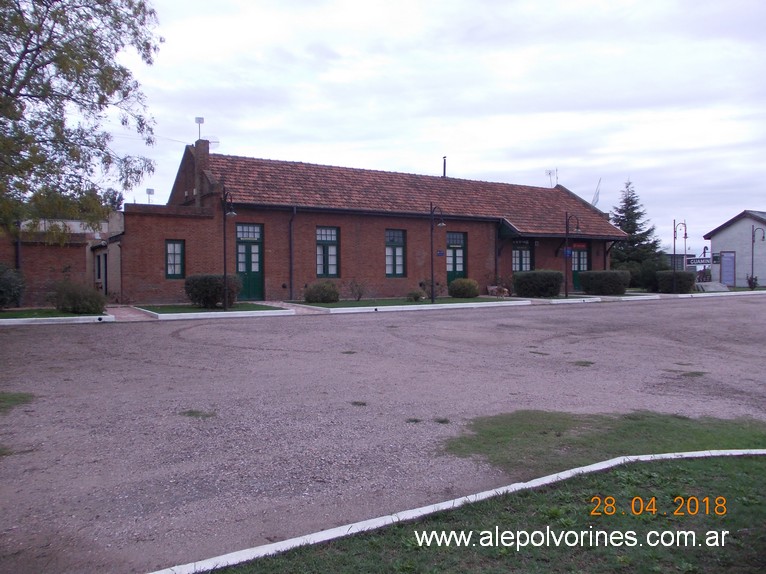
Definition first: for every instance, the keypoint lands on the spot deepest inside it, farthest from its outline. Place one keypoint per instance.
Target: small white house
(739, 249)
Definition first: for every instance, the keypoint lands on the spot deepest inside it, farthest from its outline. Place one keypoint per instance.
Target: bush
(752, 282)
(321, 292)
(11, 286)
(684, 281)
(206, 291)
(643, 275)
(463, 288)
(538, 283)
(357, 289)
(76, 298)
(415, 296)
(604, 282)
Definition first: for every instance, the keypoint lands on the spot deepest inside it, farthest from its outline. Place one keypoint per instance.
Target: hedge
(684, 281)
(463, 288)
(11, 286)
(538, 283)
(70, 297)
(604, 282)
(206, 291)
(322, 292)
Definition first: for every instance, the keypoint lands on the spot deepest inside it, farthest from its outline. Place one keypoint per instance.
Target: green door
(580, 262)
(456, 260)
(250, 261)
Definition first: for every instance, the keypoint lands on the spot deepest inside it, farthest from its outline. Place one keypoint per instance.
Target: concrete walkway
(126, 314)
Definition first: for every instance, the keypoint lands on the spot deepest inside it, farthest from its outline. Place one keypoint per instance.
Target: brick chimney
(201, 163)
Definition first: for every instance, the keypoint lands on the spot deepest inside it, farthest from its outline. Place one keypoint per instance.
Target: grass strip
(40, 314)
(704, 496)
(648, 498)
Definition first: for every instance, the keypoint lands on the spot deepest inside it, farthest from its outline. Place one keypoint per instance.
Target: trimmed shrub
(206, 291)
(684, 281)
(76, 298)
(11, 286)
(463, 288)
(642, 275)
(321, 292)
(604, 282)
(538, 283)
(415, 296)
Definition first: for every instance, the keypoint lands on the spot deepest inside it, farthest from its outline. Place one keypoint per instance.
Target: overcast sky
(670, 94)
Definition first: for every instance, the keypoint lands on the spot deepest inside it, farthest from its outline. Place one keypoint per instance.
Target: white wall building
(739, 249)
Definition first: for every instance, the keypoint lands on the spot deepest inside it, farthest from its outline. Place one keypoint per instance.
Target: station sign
(698, 260)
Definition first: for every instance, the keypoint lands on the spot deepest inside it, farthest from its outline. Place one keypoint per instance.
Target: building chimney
(201, 163)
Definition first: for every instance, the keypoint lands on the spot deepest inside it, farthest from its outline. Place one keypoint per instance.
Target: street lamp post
(227, 210)
(675, 236)
(434, 209)
(752, 248)
(567, 255)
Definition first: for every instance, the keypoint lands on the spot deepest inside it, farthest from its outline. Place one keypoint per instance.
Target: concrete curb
(59, 320)
(375, 523)
(575, 300)
(217, 314)
(435, 306)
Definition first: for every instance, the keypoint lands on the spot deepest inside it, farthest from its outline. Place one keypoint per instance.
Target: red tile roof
(536, 211)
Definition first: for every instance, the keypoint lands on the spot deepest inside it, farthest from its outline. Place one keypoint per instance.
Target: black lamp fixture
(227, 208)
(567, 254)
(752, 248)
(675, 236)
(434, 210)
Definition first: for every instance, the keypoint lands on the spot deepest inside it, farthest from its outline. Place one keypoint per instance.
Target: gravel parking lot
(312, 417)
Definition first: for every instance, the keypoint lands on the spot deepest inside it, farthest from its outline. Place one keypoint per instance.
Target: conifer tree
(640, 253)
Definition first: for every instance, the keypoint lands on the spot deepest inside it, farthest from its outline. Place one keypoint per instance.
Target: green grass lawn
(191, 309)
(624, 505)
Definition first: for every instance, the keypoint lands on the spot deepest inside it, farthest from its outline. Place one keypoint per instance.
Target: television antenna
(199, 121)
(550, 173)
(594, 201)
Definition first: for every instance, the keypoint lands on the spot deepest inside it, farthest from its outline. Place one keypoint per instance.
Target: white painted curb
(217, 314)
(374, 523)
(576, 300)
(59, 320)
(382, 308)
(609, 298)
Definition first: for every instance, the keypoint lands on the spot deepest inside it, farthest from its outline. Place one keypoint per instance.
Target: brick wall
(43, 265)
(361, 242)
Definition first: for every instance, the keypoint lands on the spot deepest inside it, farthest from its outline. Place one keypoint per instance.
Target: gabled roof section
(759, 216)
(527, 210)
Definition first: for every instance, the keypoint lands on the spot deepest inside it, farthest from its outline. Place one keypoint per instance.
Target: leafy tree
(60, 81)
(640, 253)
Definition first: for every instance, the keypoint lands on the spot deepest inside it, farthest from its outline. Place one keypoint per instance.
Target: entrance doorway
(249, 261)
(456, 263)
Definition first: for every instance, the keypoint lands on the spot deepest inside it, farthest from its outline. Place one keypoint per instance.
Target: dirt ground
(312, 424)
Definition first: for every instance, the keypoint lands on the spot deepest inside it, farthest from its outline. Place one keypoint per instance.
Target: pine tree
(640, 253)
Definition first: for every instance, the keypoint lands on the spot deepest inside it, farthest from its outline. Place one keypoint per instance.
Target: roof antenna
(550, 173)
(199, 121)
(444, 169)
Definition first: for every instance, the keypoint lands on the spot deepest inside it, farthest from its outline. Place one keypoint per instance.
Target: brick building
(45, 260)
(295, 223)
